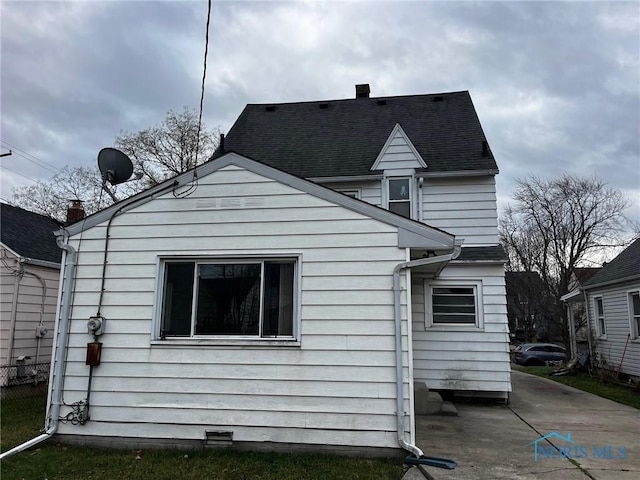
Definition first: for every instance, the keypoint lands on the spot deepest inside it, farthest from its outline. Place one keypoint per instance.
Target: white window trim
(635, 333)
(351, 192)
(231, 340)
(459, 283)
(412, 192)
(596, 316)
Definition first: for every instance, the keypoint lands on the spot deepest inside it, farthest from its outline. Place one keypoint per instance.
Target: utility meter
(41, 331)
(95, 326)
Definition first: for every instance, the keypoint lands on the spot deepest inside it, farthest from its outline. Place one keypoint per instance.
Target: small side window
(634, 314)
(601, 327)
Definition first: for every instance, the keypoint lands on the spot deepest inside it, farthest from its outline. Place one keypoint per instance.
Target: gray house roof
(344, 137)
(626, 266)
(29, 234)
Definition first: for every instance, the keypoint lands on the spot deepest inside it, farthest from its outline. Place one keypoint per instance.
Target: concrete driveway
(503, 442)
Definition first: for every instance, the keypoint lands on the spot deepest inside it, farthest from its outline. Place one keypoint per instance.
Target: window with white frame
(634, 314)
(453, 304)
(598, 307)
(353, 193)
(399, 196)
(228, 298)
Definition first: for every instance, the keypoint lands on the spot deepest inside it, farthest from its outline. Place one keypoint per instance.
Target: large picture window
(230, 298)
(451, 304)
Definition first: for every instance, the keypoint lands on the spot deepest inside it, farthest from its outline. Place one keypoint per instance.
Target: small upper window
(634, 314)
(351, 193)
(601, 328)
(400, 196)
(228, 298)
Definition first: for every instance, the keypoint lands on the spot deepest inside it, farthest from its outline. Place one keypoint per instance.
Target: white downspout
(55, 398)
(400, 413)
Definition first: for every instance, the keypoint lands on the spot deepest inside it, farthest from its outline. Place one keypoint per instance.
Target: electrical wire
(194, 184)
(18, 173)
(38, 161)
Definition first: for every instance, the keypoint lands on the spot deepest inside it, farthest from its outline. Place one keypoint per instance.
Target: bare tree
(556, 225)
(159, 152)
(170, 148)
(52, 198)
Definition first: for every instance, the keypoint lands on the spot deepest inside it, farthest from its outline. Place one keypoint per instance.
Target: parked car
(529, 354)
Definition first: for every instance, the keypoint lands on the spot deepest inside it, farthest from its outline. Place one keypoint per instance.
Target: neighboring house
(29, 277)
(613, 309)
(291, 291)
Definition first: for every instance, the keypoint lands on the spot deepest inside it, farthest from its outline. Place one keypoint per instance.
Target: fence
(23, 380)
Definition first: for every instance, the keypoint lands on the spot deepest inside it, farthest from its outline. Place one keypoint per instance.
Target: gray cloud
(556, 84)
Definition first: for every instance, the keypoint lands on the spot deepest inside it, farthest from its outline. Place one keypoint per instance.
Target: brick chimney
(363, 90)
(75, 211)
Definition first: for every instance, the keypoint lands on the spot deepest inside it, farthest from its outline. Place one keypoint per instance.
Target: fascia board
(423, 234)
(458, 173)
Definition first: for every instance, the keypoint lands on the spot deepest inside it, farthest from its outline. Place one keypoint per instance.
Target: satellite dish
(114, 165)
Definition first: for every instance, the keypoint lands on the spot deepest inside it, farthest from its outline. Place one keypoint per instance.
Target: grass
(22, 420)
(618, 393)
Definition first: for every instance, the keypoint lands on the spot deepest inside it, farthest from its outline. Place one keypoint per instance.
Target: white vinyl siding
(465, 207)
(336, 386)
(457, 357)
(618, 349)
(29, 311)
(398, 154)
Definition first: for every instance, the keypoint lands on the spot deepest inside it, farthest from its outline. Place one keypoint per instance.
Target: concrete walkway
(496, 441)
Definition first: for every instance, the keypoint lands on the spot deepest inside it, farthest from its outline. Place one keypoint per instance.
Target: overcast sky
(556, 85)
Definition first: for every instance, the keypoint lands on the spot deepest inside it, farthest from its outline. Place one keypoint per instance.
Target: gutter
(398, 337)
(56, 375)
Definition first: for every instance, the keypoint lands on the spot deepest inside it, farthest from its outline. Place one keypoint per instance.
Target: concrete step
(430, 403)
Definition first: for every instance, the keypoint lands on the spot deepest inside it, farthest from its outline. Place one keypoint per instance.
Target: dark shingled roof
(29, 234)
(344, 137)
(625, 266)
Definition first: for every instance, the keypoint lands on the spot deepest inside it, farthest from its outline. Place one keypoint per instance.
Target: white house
(613, 310)
(29, 276)
(292, 291)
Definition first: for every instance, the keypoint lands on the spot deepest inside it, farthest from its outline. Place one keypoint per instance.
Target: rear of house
(258, 310)
(290, 292)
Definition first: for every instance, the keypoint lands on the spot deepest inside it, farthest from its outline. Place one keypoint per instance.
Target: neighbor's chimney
(363, 90)
(75, 212)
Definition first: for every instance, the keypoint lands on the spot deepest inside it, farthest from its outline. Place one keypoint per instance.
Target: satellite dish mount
(115, 168)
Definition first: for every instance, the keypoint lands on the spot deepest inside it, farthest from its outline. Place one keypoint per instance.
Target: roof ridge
(311, 102)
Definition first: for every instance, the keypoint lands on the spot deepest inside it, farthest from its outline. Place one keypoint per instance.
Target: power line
(18, 173)
(36, 163)
(33, 159)
(204, 76)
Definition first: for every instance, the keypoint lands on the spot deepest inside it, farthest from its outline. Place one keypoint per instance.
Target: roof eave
(611, 282)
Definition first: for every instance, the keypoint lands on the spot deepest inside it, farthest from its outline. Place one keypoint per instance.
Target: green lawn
(23, 419)
(619, 393)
